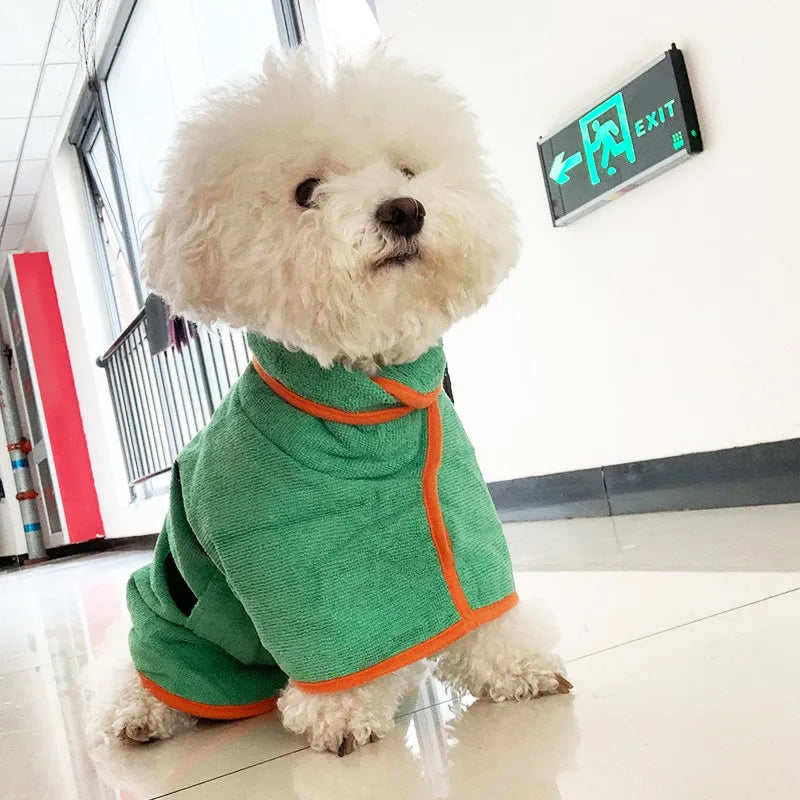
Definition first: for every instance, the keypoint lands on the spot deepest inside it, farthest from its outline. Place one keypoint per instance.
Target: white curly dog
(273, 219)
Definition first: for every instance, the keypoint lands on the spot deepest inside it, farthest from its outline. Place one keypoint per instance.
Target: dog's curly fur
(231, 243)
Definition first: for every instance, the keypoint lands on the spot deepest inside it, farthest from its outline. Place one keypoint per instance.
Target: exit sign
(646, 127)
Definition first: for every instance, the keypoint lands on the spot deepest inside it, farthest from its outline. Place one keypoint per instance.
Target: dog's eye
(305, 191)
(409, 173)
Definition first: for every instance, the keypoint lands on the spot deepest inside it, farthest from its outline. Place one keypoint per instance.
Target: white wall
(668, 321)
(60, 225)
(664, 323)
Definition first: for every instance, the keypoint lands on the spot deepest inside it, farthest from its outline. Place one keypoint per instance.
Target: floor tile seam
(683, 624)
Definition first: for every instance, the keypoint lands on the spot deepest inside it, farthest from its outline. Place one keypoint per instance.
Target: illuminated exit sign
(646, 127)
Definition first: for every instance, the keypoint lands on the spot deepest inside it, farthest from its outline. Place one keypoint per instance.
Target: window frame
(116, 205)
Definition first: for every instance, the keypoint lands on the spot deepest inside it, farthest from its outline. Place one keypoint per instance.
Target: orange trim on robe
(407, 395)
(204, 710)
(328, 412)
(419, 651)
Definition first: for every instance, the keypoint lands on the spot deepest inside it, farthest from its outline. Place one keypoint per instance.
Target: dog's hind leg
(125, 710)
(510, 658)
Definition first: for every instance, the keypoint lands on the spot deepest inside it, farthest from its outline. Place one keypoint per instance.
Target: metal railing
(162, 401)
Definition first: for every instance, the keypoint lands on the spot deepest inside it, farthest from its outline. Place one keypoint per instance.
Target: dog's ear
(195, 254)
(185, 249)
(181, 255)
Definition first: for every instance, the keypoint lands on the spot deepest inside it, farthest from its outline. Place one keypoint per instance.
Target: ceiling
(38, 59)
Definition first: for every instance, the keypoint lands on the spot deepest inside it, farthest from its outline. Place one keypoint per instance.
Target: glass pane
(347, 26)
(28, 398)
(13, 313)
(232, 41)
(172, 50)
(48, 493)
(34, 431)
(122, 282)
(99, 163)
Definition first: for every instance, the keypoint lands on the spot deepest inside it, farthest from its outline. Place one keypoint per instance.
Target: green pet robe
(325, 526)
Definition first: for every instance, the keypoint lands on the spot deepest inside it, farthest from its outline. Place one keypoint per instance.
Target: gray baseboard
(759, 474)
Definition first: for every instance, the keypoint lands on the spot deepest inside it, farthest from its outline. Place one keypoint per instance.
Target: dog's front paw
(509, 658)
(339, 722)
(350, 743)
(503, 677)
(521, 682)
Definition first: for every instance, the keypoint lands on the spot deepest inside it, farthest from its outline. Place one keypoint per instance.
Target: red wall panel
(51, 363)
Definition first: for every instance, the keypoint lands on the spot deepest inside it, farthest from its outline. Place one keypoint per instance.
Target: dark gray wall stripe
(564, 494)
(758, 474)
(100, 545)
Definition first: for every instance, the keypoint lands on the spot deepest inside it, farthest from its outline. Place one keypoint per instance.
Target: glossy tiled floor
(682, 636)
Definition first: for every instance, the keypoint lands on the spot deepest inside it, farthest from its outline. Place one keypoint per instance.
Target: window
(124, 293)
(172, 51)
(339, 27)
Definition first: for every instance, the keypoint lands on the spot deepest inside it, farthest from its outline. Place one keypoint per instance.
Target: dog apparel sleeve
(326, 526)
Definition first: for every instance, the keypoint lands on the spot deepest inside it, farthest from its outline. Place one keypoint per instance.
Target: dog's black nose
(403, 215)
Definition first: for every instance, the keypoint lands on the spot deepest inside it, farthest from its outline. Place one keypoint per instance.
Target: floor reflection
(451, 750)
(662, 663)
(53, 618)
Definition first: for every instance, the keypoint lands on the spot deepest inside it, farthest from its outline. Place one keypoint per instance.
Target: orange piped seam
(407, 395)
(433, 510)
(418, 651)
(204, 710)
(329, 412)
